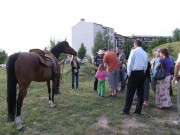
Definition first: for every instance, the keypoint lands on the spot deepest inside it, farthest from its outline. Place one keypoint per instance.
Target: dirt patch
(102, 122)
(131, 123)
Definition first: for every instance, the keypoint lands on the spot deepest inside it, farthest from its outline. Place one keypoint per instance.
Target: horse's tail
(11, 86)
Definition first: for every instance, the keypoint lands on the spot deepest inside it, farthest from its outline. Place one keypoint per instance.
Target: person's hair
(138, 42)
(120, 48)
(101, 67)
(165, 52)
(104, 49)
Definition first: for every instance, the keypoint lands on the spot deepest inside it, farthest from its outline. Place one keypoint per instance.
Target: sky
(27, 24)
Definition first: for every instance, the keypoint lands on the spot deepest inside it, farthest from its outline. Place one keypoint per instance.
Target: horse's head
(68, 49)
(63, 47)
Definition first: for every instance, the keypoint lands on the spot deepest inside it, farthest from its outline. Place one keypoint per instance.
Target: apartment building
(85, 32)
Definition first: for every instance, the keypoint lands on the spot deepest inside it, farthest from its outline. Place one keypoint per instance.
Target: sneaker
(77, 89)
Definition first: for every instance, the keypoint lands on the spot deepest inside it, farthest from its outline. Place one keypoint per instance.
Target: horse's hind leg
(53, 90)
(21, 95)
(49, 91)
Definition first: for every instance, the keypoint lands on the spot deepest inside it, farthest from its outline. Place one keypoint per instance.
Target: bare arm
(158, 65)
(105, 65)
(176, 70)
(94, 64)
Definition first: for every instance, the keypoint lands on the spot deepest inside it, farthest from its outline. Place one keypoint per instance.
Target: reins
(61, 75)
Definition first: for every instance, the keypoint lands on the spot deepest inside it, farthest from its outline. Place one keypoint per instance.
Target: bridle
(61, 74)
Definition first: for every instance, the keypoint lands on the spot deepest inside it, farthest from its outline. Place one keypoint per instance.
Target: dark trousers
(170, 90)
(153, 84)
(75, 75)
(146, 88)
(95, 82)
(135, 82)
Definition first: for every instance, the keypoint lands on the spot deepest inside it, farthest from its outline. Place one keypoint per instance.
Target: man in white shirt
(136, 67)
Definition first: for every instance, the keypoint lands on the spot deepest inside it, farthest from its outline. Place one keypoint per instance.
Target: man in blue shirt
(97, 60)
(136, 67)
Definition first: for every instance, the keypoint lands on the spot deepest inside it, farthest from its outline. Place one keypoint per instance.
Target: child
(100, 75)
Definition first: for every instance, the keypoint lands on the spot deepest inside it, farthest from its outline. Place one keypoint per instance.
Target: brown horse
(22, 69)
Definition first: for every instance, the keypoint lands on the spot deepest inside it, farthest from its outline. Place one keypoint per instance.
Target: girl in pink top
(101, 75)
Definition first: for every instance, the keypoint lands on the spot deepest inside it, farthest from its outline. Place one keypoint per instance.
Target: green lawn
(83, 112)
(174, 45)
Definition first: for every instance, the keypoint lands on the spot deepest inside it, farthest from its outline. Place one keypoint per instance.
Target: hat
(100, 52)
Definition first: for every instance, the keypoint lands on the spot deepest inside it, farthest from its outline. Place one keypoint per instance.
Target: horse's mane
(58, 48)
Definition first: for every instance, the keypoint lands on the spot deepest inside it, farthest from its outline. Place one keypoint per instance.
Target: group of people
(139, 72)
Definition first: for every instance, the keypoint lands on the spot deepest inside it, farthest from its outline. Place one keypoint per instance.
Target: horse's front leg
(21, 95)
(49, 90)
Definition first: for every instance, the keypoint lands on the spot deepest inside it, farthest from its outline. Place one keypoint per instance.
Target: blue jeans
(75, 75)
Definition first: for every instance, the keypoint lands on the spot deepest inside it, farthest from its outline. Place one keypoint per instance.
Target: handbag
(161, 73)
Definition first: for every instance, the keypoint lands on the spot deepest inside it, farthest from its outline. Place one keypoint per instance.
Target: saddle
(48, 60)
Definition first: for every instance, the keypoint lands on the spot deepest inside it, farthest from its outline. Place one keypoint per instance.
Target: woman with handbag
(163, 99)
(75, 71)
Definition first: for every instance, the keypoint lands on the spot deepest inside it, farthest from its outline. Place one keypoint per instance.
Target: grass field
(174, 45)
(83, 112)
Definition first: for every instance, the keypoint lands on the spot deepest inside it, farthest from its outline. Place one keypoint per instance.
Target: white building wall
(83, 32)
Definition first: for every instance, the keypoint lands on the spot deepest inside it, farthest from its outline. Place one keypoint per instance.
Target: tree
(101, 41)
(52, 44)
(156, 43)
(176, 35)
(98, 44)
(128, 46)
(82, 52)
(3, 57)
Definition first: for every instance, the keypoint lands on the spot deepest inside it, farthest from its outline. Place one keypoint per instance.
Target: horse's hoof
(53, 105)
(50, 102)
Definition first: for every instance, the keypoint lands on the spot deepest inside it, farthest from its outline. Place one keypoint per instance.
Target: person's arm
(105, 65)
(72, 65)
(130, 63)
(78, 66)
(158, 65)
(176, 70)
(150, 69)
(94, 63)
(96, 75)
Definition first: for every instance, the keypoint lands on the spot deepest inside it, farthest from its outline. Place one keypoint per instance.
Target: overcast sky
(27, 24)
